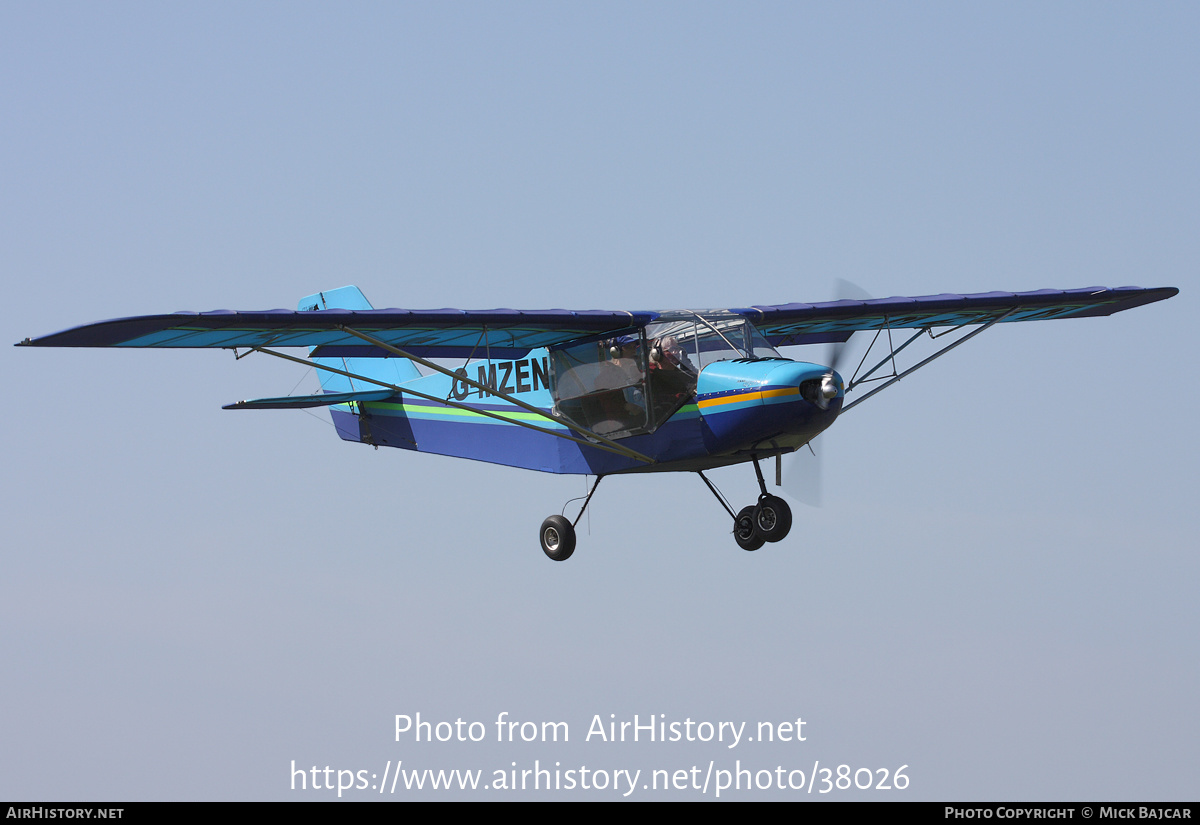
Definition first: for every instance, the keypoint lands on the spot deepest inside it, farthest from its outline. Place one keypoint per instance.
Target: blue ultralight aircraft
(596, 392)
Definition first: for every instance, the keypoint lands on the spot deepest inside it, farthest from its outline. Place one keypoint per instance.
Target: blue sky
(999, 591)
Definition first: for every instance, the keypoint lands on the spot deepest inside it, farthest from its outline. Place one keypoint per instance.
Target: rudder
(351, 420)
(389, 370)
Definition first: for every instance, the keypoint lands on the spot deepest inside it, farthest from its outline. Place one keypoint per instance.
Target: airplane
(596, 392)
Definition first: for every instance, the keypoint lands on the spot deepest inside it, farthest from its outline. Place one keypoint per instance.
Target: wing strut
(615, 448)
(937, 354)
(612, 445)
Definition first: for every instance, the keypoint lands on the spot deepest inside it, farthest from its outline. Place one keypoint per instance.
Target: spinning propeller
(802, 475)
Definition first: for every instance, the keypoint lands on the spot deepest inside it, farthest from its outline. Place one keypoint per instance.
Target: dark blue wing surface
(508, 333)
(788, 324)
(437, 333)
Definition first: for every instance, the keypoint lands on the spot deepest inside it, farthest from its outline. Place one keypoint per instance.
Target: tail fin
(390, 370)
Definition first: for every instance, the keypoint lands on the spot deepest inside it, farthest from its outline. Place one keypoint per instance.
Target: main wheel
(558, 538)
(745, 533)
(773, 518)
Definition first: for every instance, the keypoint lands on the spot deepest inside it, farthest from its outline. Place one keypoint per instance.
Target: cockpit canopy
(631, 384)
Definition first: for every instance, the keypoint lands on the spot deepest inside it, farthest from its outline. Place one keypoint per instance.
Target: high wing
(508, 333)
(834, 321)
(431, 333)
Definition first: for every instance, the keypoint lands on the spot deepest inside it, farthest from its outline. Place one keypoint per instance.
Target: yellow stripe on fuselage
(747, 396)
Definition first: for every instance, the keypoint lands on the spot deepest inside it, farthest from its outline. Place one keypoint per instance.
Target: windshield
(631, 384)
(713, 336)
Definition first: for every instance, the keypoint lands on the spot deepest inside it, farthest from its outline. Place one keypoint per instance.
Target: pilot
(666, 353)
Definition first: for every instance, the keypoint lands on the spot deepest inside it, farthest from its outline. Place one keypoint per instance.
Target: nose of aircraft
(820, 386)
(747, 401)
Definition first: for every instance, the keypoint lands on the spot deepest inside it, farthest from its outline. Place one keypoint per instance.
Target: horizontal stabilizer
(298, 402)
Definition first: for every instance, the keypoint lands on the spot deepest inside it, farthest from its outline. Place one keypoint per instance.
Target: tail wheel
(558, 538)
(745, 530)
(772, 518)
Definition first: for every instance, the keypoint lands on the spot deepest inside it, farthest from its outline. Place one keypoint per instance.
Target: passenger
(618, 403)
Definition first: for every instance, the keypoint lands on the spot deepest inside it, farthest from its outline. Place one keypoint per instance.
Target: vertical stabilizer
(391, 370)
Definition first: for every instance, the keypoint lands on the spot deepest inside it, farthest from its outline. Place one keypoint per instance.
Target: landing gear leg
(557, 534)
(769, 519)
(772, 515)
(745, 529)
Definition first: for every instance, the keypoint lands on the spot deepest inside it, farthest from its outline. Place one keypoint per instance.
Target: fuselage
(722, 413)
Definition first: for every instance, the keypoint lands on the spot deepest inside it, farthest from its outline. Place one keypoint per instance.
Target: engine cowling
(744, 402)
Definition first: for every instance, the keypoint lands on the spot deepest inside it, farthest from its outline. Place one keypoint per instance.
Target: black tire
(745, 532)
(557, 537)
(773, 518)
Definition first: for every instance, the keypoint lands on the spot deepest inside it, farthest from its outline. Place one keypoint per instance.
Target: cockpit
(630, 384)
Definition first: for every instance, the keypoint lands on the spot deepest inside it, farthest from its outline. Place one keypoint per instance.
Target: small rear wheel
(558, 538)
(745, 532)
